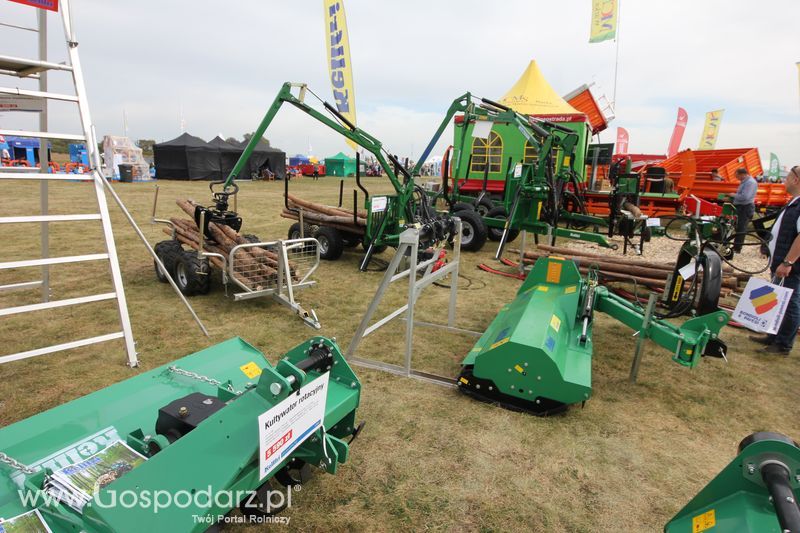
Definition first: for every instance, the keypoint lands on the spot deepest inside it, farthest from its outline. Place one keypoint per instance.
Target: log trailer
(536, 355)
(387, 215)
(197, 422)
(534, 195)
(757, 491)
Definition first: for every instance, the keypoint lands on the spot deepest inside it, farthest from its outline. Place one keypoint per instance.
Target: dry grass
(429, 458)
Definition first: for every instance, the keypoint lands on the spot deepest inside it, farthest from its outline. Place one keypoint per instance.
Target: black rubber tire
(473, 230)
(484, 206)
(331, 244)
(496, 234)
(168, 252)
(463, 206)
(294, 231)
(375, 249)
(350, 240)
(192, 274)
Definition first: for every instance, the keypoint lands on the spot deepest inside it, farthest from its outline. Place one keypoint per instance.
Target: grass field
(429, 458)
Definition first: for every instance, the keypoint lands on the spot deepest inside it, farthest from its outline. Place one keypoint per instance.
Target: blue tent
(298, 159)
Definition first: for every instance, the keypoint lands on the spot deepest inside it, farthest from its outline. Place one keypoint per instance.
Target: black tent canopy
(190, 158)
(187, 158)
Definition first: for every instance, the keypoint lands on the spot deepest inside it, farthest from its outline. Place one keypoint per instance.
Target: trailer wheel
(331, 245)
(463, 206)
(473, 230)
(375, 249)
(192, 274)
(167, 252)
(496, 234)
(484, 206)
(294, 231)
(350, 240)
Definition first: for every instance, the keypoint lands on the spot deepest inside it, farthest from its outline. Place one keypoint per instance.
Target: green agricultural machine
(197, 424)
(536, 355)
(536, 189)
(386, 218)
(757, 492)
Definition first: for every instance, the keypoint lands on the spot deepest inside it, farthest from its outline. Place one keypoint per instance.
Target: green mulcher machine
(536, 355)
(197, 422)
(757, 492)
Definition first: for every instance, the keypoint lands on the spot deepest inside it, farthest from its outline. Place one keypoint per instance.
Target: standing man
(744, 201)
(784, 248)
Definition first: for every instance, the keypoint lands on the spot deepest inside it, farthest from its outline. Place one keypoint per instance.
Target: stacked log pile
(325, 215)
(612, 268)
(256, 267)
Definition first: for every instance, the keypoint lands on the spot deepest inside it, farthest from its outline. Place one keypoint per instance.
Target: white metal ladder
(37, 69)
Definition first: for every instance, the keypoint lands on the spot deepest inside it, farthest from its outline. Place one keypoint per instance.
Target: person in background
(316, 173)
(715, 175)
(784, 248)
(744, 201)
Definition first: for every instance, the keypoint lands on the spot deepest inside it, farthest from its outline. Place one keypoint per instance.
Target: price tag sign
(653, 222)
(378, 204)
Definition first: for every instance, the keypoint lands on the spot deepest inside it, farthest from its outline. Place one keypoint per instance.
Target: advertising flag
(604, 21)
(339, 66)
(622, 141)
(774, 172)
(677, 133)
(711, 130)
(50, 5)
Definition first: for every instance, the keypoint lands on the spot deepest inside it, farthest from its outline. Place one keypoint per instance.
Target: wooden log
(356, 230)
(325, 209)
(331, 219)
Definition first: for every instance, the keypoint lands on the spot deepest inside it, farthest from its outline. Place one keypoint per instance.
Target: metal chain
(16, 465)
(205, 379)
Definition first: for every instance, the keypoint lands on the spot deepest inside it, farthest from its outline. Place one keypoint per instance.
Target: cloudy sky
(221, 63)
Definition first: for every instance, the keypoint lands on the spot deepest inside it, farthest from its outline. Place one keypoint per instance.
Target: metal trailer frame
(409, 247)
(285, 286)
(37, 69)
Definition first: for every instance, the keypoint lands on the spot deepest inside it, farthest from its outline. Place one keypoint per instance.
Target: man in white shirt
(784, 248)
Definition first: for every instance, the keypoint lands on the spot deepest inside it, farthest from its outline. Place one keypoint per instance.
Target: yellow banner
(604, 20)
(339, 66)
(710, 131)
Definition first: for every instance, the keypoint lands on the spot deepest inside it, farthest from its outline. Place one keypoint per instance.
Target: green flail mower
(536, 355)
(757, 491)
(197, 422)
(408, 207)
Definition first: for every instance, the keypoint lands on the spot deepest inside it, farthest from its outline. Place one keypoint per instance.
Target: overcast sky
(222, 63)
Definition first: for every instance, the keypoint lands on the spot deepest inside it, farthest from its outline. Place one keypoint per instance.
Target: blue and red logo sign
(51, 5)
(763, 299)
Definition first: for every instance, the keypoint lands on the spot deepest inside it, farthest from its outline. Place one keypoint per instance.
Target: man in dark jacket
(744, 201)
(784, 247)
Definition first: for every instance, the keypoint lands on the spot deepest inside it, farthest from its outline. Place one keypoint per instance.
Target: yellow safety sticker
(542, 288)
(250, 370)
(464, 381)
(703, 521)
(498, 343)
(555, 323)
(567, 160)
(678, 285)
(519, 369)
(554, 272)
(570, 289)
(538, 210)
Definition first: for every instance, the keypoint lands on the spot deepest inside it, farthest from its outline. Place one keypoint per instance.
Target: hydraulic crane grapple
(757, 491)
(536, 355)
(196, 422)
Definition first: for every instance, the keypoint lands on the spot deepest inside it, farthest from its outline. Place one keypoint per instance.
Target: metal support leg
(44, 158)
(412, 300)
(640, 342)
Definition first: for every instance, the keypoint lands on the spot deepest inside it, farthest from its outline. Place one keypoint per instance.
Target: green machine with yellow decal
(757, 492)
(197, 440)
(536, 355)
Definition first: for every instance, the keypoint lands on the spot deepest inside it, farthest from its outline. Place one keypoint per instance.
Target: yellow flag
(710, 131)
(339, 66)
(604, 20)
